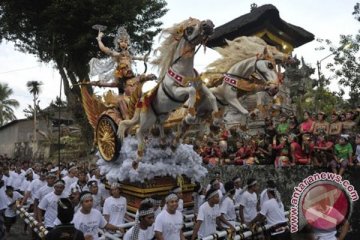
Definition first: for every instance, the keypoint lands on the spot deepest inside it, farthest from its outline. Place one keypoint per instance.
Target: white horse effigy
(178, 81)
(238, 72)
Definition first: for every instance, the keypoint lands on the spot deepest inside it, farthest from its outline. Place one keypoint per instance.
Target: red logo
(325, 206)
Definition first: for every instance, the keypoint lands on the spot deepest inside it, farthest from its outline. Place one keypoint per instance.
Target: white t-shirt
(116, 209)
(147, 234)
(208, 217)
(273, 212)
(325, 235)
(68, 182)
(4, 201)
(10, 211)
(249, 202)
(222, 189)
(199, 200)
(263, 197)
(81, 188)
(97, 201)
(24, 185)
(89, 223)
(169, 225)
(5, 179)
(237, 196)
(35, 186)
(43, 191)
(15, 179)
(49, 204)
(227, 207)
(180, 205)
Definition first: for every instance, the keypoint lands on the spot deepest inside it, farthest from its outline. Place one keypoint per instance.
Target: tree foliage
(7, 104)
(34, 87)
(346, 65)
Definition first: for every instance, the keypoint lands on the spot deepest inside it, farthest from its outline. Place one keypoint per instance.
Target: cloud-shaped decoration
(156, 161)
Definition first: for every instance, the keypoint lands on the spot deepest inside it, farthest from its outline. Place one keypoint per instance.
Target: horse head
(197, 31)
(180, 41)
(265, 72)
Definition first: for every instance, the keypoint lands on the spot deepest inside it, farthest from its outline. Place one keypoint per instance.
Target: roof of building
(263, 17)
(12, 123)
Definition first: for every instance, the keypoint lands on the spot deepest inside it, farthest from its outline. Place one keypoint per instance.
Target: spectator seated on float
(307, 126)
(321, 126)
(357, 151)
(211, 153)
(298, 155)
(342, 155)
(242, 154)
(323, 151)
(282, 152)
(264, 152)
(283, 126)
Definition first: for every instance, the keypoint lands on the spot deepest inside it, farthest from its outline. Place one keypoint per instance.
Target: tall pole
(34, 99)
(59, 128)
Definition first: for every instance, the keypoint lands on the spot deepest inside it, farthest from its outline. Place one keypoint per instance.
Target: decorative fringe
(155, 162)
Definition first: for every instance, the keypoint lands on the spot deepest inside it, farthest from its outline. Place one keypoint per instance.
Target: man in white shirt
(208, 215)
(97, 196)
(249, 205)
(89, 220)
(16, 178)
(216, 180)
(49, 205)
(10, 214)
(169, 223)
(70, 178)
(238, 190)
(263, 195)
(274, 214)
(143, 228)
(227, 207)
(115, 206)
(47, 188)
(81, 183)
(216, 184)
(4, 202)
(198, 197)
(98, 177)
(34, 186)
(178, 191)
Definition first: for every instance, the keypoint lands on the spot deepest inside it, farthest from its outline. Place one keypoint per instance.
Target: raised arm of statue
(103, 48)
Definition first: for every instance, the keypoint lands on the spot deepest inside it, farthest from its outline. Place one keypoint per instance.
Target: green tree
(7, 104)
(346, 65)
(34, 88)
(61, 32)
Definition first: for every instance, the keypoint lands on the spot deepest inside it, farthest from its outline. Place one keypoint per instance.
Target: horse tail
(126, 124)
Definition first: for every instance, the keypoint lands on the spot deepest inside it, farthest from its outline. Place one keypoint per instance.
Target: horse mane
(167, 49)
(237, 50)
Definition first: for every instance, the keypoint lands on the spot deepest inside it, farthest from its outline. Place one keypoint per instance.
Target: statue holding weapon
(116, 71)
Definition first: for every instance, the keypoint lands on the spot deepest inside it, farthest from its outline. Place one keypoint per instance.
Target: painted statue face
(123, 43)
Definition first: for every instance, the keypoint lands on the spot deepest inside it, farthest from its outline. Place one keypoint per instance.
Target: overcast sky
(323, 18)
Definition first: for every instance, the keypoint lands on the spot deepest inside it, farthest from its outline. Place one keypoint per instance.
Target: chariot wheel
(106, 138)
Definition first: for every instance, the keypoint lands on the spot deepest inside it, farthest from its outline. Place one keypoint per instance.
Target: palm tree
(7, 104)
(34, 89)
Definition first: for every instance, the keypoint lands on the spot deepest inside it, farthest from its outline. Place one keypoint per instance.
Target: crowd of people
(78, 204)
(319, 140)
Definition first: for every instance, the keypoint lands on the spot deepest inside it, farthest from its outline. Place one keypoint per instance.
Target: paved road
(17, 232)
